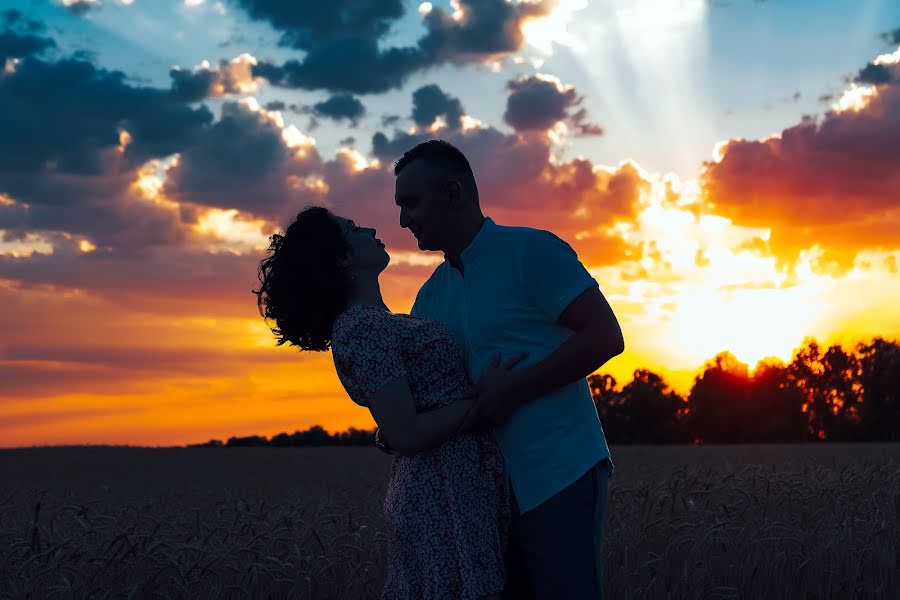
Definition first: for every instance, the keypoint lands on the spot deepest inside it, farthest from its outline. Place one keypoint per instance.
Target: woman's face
(366, 251)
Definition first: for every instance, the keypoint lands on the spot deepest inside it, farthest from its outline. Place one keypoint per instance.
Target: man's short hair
(435, 152)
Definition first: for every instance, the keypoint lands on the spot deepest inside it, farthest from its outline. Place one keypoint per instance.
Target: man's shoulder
(520, 235)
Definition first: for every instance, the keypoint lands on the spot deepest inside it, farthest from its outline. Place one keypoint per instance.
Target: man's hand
(497, 389)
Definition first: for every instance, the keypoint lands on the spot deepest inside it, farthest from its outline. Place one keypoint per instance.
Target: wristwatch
(381, 444)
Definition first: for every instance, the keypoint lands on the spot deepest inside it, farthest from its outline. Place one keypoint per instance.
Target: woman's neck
(367, 291)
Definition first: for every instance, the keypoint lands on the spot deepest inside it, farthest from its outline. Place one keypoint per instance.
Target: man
(507, 291)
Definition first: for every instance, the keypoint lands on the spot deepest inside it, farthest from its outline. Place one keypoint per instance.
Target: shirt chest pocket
(498, 309)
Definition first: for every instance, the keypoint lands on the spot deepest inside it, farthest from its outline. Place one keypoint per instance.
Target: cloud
(356, 66)
(307, 25)
(80, 7)
(229, 78)
(892, 37)
(247, 160)
(343, 41)
(538, 102)
(430, 102)
(75, 138)
(340, 107)
(874, 74)
(16, 44)
(831, 181)
(478, 31)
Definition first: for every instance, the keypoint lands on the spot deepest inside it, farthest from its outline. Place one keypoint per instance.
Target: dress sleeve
(366, 352)
(552, 274)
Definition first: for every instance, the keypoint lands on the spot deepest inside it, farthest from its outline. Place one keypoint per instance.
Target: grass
(774, 521)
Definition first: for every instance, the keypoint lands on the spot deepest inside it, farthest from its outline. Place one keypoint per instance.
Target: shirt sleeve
(367, 356)
(552, 274)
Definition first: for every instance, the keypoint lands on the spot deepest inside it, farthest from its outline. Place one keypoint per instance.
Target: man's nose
(404, 219)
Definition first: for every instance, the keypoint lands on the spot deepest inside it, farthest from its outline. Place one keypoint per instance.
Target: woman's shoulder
(362, 319)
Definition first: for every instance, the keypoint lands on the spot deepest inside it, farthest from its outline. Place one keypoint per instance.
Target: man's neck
(467, 233)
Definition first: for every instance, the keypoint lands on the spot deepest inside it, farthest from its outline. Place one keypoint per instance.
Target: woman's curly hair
(304, 285)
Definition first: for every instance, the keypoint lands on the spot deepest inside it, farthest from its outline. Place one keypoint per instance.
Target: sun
(751, 323)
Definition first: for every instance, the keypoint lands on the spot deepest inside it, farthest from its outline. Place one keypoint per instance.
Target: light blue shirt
(515, 284)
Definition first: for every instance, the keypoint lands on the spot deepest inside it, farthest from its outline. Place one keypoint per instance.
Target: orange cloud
(834, 183)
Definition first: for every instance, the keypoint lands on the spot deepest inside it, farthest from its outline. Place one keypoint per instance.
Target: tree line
(823, 394)
(828, 394)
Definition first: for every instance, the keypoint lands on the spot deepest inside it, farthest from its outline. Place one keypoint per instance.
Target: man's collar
(478, 243)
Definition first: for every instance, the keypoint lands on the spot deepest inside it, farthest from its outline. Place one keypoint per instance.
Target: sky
(728, 171)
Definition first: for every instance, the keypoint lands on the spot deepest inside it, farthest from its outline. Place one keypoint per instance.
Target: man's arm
(597, 338)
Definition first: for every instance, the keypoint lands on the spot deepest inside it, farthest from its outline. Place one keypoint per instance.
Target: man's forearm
(575, 359)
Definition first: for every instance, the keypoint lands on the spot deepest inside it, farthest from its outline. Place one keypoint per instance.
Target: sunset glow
(726, 172)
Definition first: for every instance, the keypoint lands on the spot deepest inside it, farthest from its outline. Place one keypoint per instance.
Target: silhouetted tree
(775, 405)
(830, 385)
(250, 440)
(719, 402)
(314, 436)
(645, 411)
(879, 374)
(608, 402)
(281, 440)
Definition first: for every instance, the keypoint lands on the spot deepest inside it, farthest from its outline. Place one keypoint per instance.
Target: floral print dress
(447, 509)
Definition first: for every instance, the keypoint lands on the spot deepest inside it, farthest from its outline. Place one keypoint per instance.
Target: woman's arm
(409, 432)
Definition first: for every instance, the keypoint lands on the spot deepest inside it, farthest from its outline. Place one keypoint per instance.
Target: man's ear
(454, 193)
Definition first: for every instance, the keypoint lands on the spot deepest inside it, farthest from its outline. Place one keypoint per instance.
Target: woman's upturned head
(306, 279)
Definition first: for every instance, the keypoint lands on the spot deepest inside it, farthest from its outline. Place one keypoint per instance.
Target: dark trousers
(556, 550)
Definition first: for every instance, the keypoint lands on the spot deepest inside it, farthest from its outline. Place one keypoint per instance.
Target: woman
(446, 505)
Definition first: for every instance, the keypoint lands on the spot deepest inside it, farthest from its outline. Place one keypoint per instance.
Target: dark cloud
(343, 50)
(243, 162)
(488, 28)
(537, 103)
(74, 138)
(92, 106)
(340, 107)
(430, 102)
(11, 16)
(891, 37)
(354, 65)
(276, 105)
(306, 25)
(192, 86)
(81, 7)
(874, 74)
(15, 44)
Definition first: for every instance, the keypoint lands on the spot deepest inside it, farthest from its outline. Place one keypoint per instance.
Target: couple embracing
(499, 484)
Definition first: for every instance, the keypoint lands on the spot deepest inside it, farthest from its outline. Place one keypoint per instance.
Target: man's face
(421, 192)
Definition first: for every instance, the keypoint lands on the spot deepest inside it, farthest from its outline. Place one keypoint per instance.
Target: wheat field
(768, 521)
